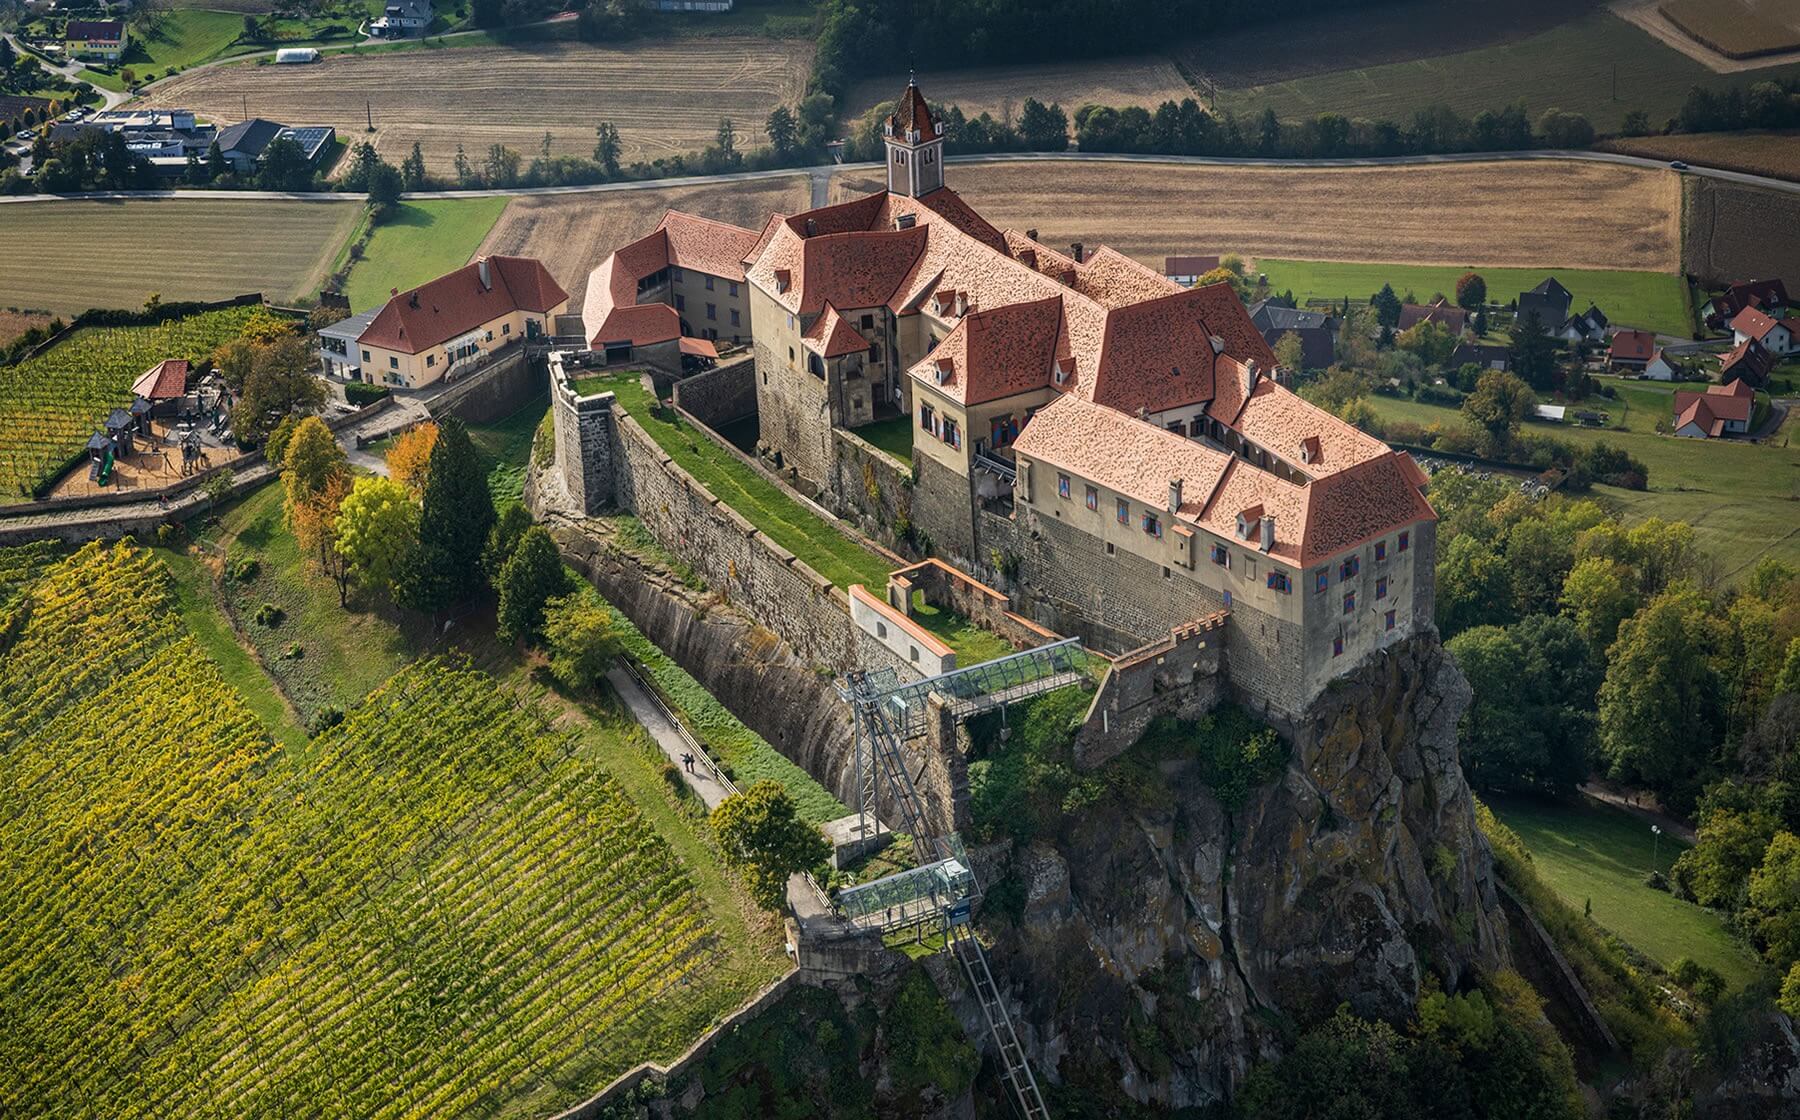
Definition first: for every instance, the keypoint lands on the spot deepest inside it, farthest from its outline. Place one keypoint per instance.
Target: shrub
(671, 774)
(293, 652)
(1656, 881)
(359, 393)
(269, 615)
(1706, 984)
(168, 534)
(326, 718)
(245, 569)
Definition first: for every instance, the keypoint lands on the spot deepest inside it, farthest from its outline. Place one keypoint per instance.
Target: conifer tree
(456, 513)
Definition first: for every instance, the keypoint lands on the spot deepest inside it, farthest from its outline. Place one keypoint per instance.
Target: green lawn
(787, 522)
(421, 242)
(972, 643)
(1743, 499)
(186, 37)
(1573, 66)
(893, 435)
(505, 445)
(1651, 300)
(1598, 854)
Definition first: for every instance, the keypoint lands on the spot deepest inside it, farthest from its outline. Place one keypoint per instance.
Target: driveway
(71, 71)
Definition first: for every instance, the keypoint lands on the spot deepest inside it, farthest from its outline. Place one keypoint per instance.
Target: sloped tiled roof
(832, 336)
(1281, 422)
(1748, 358)
(1633, 346)
(912, 114)
(163, 381)
(1753, 323)
(680, 240)
(1122, 453)
(998, 353)
(1711, 409)
(416, 320)
(1439, 311)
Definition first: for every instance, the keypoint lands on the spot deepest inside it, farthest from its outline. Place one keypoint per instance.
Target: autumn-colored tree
(409, 459)
(378, 532)
(314, 520)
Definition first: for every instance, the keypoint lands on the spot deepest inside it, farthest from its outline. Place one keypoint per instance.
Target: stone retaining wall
(495, 391)
(720, 396)
(1174, 676)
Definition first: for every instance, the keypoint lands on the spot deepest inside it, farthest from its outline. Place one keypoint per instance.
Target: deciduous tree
(763, 835)
(1471, 291)
(580, 638)
(377, 530)
(1499, 404)
(1661, 706)
(409, 459)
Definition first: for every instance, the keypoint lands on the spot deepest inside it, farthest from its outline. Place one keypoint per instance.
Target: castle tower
(915, 146)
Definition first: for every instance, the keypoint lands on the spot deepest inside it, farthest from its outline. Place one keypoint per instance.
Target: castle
(1118, 447)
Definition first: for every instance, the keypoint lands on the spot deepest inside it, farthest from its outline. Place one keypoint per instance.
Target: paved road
(71, 71)
(821, 173)
(647, 711)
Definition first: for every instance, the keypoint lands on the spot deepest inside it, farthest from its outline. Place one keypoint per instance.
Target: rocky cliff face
(1162, 951)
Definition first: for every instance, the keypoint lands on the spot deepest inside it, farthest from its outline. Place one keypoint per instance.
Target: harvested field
(1146, 80)
(572, 233)
(665, 97)
(1738, 28)
(1569, 214)
(113, 254)
(1734, 231)
(1322, 42)
(1775, 154)
(15, 323)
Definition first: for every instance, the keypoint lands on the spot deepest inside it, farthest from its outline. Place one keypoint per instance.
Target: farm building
(1723, 410)
(1631, 350)
(1549, 301)
(1748, 362)
(292, 55)
(681, 282)
(165, 137)
(448, 326)
(102, 39)
(1187, 271)
(1440, 311)
(1775, 335)
(1768, 295)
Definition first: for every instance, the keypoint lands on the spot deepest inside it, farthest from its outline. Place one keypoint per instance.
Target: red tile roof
(1121, 453)
(1633, 346)
(679, 240)
(163, 381)
(1438, 311)
(1189, 266)
(457, 302)
(640, 325)
(715, 248)
(996, 353)
(1753, 323)
(1748, 360)
(104, 30)
(1280, 422)
(833, 336)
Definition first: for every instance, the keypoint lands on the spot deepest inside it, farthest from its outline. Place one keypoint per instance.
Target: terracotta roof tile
(996, 353)
(1112, 279)
(1360, 503)
(1753, 323)
(833, 336)
(455, 303)
(1281, 422)
(1633, 346)
(1122, 453)
(1748, 358)
(1439, 311)
(163, 381)
(912, 115)
(640, 325)
(715, 248)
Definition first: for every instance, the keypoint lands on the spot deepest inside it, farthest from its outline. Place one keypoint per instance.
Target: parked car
(1677, 165)
(28, 134)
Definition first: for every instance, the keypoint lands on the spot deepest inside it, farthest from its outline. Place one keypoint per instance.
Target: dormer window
(783, 278)
(1309, 449)
(945, 367)
(1175, 371)
(906, 221)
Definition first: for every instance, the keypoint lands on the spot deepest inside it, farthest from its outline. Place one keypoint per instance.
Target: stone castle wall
(870, 488)
(720, 396)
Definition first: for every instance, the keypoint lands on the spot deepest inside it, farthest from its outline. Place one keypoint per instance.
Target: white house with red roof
(435, 330)
(1776, 336)
(1631, 349)
(1723, 410)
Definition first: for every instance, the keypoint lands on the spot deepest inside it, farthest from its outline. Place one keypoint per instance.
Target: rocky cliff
(1163, 949)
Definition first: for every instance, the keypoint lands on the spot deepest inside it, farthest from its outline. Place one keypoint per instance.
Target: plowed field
(572, 233)
(1539, 212)
(665, 97)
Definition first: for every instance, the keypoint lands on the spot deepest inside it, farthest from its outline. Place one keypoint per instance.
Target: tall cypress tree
(457, 513)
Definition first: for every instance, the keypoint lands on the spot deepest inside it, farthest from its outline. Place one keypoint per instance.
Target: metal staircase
(1014, 1066)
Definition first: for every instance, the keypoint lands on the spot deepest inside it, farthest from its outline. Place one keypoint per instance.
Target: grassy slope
(186, 36)
(1650, 300)
(1740, 497)
(1571, 66)
(1602, 854)
(423, 241)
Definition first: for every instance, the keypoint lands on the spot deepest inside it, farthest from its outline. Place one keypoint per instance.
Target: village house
(1749, 362)
(1440, 311)
(1768, 296)
(1631, 350)
(103, 39)
(446, 326)
(1184, 270)
(1662, 366)
(401, 19)
(673, 292)
(1316, 330)
(1723, 410)
(243, 145)
(1549, 301)
(1774, 335)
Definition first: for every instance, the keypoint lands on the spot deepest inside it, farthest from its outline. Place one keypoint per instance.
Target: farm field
(114, 254)
(50, 404)
(1146, 80)
(1652, 300)
(1569, 66)
(1738, 496)
(573, 233)
(665, 97)
(1599, 854)
(277, 941)
(1775, 154)
(15, 323)
(421, 242)
(1575, 214)
(1733, 231)
(1736, 28)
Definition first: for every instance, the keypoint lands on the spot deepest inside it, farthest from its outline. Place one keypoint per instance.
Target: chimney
(1268, 532)
(1032, 234)
(962, 304)
(812, 227)
(1254, 370)
(487, 277)
(1174, 495)
(392, 292)
(1075, 251)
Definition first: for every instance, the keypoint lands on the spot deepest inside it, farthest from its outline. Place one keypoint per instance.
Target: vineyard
(50, 404)
(440, 907)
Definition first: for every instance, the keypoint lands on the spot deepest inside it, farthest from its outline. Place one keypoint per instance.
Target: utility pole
(369, 107)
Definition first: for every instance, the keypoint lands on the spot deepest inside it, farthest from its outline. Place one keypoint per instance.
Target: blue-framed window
(1278, 581)
(1381, 588)
(1350, 602)
(1349, 568)
(1321, 580)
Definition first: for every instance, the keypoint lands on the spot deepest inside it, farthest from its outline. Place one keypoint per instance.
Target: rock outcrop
(1164, 948)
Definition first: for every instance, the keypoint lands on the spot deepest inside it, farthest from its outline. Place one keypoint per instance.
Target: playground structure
(944, 888)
